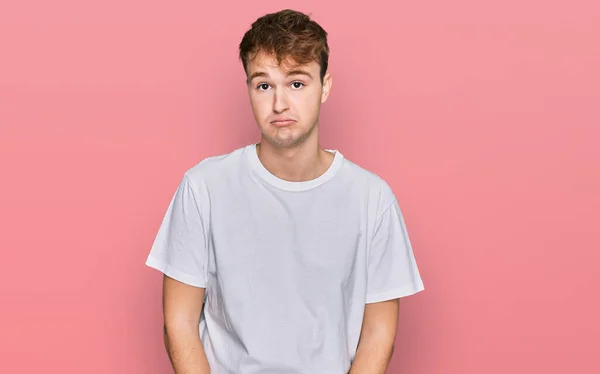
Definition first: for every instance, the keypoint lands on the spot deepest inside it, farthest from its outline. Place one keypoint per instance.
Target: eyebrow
(291, 72)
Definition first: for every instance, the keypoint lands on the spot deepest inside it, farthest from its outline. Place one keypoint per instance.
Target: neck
(300, 163)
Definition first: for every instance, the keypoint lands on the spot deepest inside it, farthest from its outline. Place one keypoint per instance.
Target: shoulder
(213, 168)
(374, 185)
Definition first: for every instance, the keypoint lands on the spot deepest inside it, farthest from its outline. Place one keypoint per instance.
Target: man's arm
(377, 338)
(182, 305)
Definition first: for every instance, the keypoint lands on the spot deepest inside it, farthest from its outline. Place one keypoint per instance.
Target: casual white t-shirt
(288, 266)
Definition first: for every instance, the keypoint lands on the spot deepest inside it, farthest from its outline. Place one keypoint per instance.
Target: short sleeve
(179, 249)
(392, 269)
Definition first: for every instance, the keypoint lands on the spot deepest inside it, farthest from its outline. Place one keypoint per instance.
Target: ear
(326, 89)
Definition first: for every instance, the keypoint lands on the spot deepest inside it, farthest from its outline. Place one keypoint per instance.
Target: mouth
(282, 122)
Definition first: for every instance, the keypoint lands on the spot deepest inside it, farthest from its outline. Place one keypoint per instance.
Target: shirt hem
(395, 293)
(174, 273)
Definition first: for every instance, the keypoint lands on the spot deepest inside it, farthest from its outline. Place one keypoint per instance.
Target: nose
(280, 102)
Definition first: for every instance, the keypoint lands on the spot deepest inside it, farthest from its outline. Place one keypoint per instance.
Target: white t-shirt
(288, 266)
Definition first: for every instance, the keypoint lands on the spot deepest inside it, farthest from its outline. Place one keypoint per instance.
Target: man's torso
(287, 264)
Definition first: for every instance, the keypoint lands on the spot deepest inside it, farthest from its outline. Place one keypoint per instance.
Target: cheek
(306, 104)
(259, 107)
(308, 107)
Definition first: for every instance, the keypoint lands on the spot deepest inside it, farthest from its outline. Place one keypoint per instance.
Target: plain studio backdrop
(484, 117)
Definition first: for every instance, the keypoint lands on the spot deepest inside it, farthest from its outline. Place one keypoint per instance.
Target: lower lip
(282, 123)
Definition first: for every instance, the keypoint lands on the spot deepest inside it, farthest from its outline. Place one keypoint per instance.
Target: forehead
(268, 62)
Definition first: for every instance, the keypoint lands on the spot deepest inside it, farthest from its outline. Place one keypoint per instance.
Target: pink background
(483, 116)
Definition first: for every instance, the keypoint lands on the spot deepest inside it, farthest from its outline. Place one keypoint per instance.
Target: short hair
(286, 34)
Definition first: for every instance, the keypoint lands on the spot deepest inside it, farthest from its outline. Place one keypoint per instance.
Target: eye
(263, 87)
(297, 85)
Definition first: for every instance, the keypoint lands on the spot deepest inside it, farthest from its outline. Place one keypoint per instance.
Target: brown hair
(287, 33)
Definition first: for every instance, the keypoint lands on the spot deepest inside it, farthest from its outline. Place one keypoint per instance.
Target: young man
(282, 257)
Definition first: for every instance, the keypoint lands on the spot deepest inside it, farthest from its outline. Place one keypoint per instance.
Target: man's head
(285, 56)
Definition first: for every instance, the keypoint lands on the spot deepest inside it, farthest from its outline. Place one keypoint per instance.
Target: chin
(288, 141)
(283, 143)
(287, 137)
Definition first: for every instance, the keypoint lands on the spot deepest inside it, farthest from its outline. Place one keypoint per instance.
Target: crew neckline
(283, 184)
